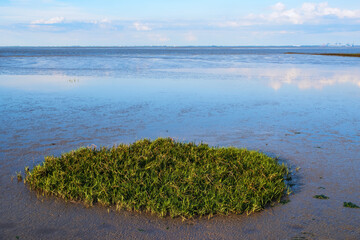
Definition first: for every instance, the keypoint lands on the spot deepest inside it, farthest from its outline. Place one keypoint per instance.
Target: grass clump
(164, 177)
(350, 205)
(322, 196)
(19, 176)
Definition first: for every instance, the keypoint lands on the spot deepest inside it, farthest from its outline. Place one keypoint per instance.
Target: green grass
(19, 176)
(329, 54)
(350, 205)
(164, 177)
(285, 201)
(321, 196)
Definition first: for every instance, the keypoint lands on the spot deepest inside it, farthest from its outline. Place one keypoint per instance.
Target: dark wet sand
(303, 217)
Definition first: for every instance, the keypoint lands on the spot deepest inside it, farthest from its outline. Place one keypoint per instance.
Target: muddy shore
(301, 108)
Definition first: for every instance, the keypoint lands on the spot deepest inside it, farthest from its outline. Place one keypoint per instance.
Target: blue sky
(177, 22)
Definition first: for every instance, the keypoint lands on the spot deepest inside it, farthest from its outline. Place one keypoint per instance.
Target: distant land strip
(329, 54)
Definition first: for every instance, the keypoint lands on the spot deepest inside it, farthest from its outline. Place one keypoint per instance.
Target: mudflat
(300, 108)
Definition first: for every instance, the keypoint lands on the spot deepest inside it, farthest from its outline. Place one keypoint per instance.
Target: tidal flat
(302, 109)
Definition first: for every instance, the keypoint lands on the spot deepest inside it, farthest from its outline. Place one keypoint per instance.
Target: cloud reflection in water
(277, 77)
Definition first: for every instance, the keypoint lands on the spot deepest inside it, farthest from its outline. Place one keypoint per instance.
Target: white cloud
(141, 27)
(102, 21)
(278, 7)
(306, 13)
(190, 37)
(158, 38)
(239, 23)
(105, 20)
(53, 20)
(163, 39)
(41, 11)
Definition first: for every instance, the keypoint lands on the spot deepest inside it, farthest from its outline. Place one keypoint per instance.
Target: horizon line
(179, 46)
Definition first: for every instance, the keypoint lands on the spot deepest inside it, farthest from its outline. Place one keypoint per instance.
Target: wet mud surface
(306, 114)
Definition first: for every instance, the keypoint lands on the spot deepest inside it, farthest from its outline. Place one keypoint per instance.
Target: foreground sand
(303, 217)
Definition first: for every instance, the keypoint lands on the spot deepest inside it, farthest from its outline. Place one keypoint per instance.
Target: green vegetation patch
(350, 205)
(329, 54)
(164, 177)
(321, 196)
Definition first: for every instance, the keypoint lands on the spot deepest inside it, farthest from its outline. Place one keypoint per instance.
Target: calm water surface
(303, 108)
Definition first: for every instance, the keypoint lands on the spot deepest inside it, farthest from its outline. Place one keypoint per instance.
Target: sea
(303, 109)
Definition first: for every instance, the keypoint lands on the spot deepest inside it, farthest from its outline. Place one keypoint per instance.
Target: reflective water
(303, 108)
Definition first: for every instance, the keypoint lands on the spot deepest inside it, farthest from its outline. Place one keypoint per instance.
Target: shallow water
(304, 109)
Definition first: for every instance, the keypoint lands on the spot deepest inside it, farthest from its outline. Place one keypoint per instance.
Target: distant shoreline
(329, 54)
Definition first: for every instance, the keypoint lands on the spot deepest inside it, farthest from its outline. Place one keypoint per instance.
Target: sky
(178, 22)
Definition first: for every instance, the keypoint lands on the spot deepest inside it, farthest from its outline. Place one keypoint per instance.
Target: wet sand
(303, 217)
(307, 115)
